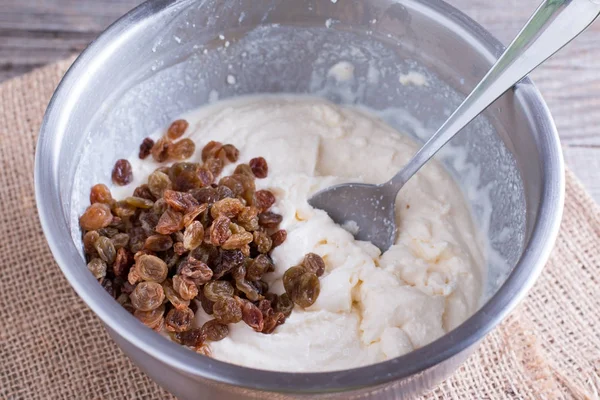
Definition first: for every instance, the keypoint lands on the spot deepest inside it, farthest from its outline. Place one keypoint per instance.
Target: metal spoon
(372, 207)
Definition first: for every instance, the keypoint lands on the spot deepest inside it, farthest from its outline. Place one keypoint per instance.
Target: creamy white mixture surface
(372, 306)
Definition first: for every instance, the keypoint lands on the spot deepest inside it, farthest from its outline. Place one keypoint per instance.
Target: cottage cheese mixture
(372, 306)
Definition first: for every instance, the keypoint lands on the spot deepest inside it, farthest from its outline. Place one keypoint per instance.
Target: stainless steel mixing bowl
(167, 57)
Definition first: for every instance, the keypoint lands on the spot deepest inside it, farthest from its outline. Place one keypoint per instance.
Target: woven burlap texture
(53, 347)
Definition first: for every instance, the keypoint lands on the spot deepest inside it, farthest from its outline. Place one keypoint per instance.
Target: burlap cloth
(53, 347)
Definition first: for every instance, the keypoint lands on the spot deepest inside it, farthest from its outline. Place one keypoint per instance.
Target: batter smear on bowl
(223, 253)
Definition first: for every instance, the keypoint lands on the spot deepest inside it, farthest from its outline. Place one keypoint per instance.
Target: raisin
(97, 267)
(244, 169)
(306, 290)
(205, 195)
(284, 305)
(314, 263)
(214, 331)
(258, 267)
(269, 219)
(186, 288)
(153, 318)
(137, 237)
(96, 216)
(227, 310)
(228, 260)
(179, 319)
(231, 152)
(193, 236)
(172, 296)
(123, 210)
(237, 241)
(146, 148)
(272, 322)
(120, 240)
(160, 149)
(206, 304)
(227, 207)
(122, 262)
(263, 242)
(158, 243)
(193, 338)
(144, 192)
(158, 182)
(108, 286)
(193, 213)
(278, 238)
(147, 296)
(181, 150)
(88, 243)
(210, 150)
(205, 177)
(259, 167)
(263, 200)
(100, 194)
(122, 174)
(215, 166)
(219, 231)
(214, 290)
(151, 268)
(248, 289)
(195, 270)
(252, 316)
(139, 202)
(248, 219)
(291, 277)
(106, 249)
(234, 183)
(180, 201)
(224, 192)
(109, 232)
(177, 129)
(171, 221)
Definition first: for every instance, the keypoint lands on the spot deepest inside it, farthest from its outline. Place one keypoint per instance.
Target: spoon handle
(554, 24)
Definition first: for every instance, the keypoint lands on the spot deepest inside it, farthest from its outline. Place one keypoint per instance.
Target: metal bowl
(167, 57)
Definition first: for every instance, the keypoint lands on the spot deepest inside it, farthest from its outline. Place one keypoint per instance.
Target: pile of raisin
(189, 239)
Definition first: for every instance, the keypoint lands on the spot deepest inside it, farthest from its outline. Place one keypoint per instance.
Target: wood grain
(36, 32)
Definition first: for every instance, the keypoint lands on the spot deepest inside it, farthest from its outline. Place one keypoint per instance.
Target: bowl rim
(460, 339)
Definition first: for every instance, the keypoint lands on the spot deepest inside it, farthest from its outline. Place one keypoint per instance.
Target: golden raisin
(147, 296)
(181, 150)
(160, 149)
(96, 216)
(100, 194)
(177, 129)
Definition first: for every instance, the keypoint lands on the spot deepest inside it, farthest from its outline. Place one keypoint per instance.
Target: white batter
(372, 307)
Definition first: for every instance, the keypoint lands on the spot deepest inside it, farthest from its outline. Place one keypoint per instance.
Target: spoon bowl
(371, 208)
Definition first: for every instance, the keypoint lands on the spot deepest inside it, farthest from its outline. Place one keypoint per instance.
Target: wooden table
(36, 32)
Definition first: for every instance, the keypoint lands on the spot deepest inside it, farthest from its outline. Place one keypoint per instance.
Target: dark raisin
(122, 174)
(122, 262)
(263, 200)
(224, 192)
(278, 237)
(193, 338)
(269, 219)
(206, 304)
(144, 192)
(259, 167)
(179, 319)
(252, 316)
(146, 148)
(205, 195)
(228, 260)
